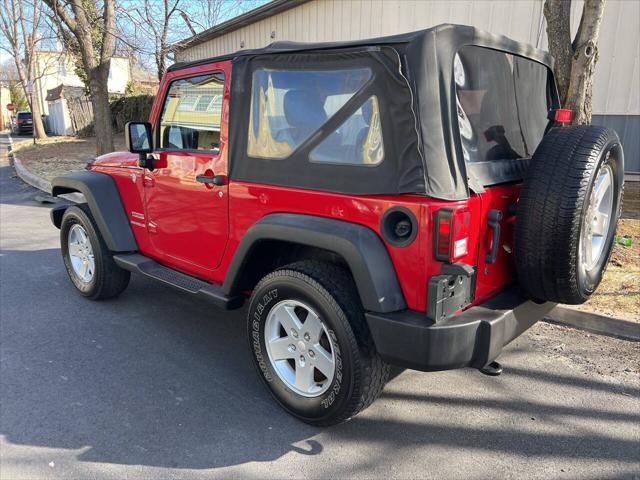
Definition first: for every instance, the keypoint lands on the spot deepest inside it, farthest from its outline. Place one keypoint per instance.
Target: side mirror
(138, 138)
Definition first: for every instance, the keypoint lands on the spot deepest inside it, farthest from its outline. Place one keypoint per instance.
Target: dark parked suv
(24, 122)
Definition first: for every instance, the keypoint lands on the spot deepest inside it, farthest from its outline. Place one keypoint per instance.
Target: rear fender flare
(360, 247)
(103, 199)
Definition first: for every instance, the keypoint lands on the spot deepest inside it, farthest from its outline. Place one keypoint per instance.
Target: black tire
(360, 372)
(552, 210)
(109, 280)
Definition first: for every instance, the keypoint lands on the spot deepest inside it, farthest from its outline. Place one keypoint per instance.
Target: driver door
(186, 195)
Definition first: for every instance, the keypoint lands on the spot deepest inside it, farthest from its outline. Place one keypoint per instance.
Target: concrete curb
(26, 176)
(31, 178)
(593, 322)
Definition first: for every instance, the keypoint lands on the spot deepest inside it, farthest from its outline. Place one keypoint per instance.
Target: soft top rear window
(502, 105)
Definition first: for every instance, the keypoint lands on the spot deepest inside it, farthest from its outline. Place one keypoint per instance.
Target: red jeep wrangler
(410, 200)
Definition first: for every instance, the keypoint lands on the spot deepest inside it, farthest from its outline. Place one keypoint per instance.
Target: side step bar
(137, 263)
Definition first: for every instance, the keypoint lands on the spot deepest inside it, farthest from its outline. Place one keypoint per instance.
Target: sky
(196, 10)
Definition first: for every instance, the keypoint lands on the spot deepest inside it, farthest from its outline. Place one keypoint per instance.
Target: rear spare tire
(568, 213)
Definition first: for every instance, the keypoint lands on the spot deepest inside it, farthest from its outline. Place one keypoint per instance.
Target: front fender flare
(103, 199)
(360, 247)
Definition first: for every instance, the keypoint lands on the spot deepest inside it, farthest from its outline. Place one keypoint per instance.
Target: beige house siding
(55, 68)
(617, 83)
(5, 99)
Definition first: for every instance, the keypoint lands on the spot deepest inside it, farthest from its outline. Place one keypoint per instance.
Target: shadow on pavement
(17, 192)
(154, 378)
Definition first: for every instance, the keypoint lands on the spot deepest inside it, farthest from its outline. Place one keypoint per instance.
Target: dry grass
(619, 293)
(58, 155)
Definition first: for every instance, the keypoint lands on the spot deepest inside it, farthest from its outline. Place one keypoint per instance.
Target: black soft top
(427, 151)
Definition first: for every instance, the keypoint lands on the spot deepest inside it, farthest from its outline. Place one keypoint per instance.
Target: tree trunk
(38, 125)
(575, 61)
(558, 16)
(103, 129)
(32, 100)
(585, 57)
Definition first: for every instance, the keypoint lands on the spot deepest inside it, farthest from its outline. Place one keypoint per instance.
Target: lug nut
(294, 334)
(292, 347)
(312, 353)
(307, 337)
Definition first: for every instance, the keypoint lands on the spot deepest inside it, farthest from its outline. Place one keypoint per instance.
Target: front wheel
(88, 261)
(311, 344)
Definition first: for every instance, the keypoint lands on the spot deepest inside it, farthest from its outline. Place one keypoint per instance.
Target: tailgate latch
(493, 220)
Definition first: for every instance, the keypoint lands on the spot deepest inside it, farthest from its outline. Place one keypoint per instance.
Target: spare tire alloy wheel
(598, 216)
(568, 213)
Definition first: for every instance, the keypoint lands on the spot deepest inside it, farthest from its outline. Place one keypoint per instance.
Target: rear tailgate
(503, 102)
(495, 265)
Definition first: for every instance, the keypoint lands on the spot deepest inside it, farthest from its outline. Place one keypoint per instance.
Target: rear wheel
(568, 213)
(311, 344)
(88, 261)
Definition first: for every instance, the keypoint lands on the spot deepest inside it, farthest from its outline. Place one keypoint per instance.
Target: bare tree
(88, 29)
(158, 22)
(20, 24)
(575, 60)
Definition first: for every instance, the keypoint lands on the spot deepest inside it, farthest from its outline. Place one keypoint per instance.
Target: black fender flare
(360, 247)
(103, 199)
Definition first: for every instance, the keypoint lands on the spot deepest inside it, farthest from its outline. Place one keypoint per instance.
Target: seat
(304, 112)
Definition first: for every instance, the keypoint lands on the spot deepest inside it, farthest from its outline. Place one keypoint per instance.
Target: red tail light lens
(451, 241)
(563, 115)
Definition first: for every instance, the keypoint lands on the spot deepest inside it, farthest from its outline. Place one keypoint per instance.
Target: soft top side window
(358, 141)
(287, 106)
(192, 112)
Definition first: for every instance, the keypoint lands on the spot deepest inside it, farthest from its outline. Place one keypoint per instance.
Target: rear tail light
(451, 239)
(561, 115)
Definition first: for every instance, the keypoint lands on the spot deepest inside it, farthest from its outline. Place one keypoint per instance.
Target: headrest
(304, 108)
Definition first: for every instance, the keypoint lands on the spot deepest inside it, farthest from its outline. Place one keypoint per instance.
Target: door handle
(217, 180)
(493, 220)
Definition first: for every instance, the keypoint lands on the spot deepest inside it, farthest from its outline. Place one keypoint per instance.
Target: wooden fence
(81, 113)
(123, 110)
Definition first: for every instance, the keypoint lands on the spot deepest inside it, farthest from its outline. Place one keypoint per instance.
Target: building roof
(64, 91)
(265, 11)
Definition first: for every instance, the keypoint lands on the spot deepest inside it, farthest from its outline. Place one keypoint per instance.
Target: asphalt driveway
(154, 385)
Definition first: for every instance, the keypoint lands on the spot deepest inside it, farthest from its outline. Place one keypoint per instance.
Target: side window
(287, 106)
(358, 141)
(192, 111)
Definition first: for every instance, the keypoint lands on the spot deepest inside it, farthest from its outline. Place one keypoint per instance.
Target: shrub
(130, 108)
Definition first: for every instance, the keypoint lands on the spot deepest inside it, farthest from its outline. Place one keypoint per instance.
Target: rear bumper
(471, 339)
